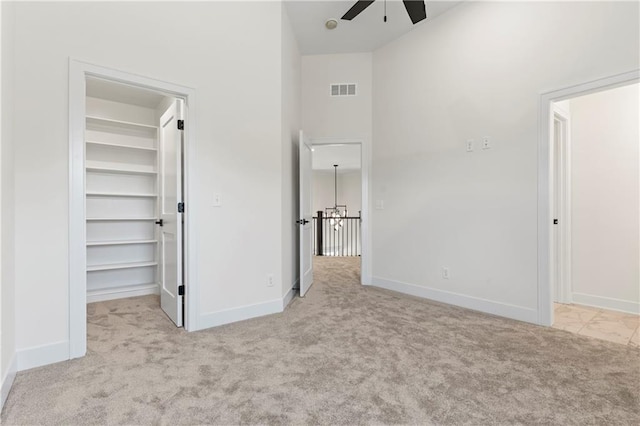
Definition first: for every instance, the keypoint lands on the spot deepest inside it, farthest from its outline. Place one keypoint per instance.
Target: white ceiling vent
(346, 89)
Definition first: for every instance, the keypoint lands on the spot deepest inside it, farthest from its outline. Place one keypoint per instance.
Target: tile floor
(613, 326)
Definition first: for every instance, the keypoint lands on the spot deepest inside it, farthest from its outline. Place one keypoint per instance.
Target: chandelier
(338, 212)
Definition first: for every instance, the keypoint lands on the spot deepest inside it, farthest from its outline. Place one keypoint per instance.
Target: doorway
(334, 201)
(596, 159)
(575, 223)
(337, 200)
(129, 228)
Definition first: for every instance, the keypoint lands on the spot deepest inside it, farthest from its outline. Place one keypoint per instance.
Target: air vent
(347, 89)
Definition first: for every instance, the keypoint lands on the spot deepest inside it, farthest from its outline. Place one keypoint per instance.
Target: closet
(121, 188)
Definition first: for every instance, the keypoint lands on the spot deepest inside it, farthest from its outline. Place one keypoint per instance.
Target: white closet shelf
(108, 267)
(119, 242)
(119, 123)
(119, 170)
(120, 219)
(119, 195)
(116, 145)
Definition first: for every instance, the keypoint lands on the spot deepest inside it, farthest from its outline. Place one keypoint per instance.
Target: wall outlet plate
(445, 273)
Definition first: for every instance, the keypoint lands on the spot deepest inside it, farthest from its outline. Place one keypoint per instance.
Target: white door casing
(78, 72)
(170, 194)
(305, 220)
(546, 257)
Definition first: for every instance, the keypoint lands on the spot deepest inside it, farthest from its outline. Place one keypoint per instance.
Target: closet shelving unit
(121, 203)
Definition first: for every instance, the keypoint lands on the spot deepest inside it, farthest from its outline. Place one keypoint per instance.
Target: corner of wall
(291, 91)
(7, 380)
(8, 357)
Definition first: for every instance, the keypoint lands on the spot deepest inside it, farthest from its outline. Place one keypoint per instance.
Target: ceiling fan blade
(356, 9)
(416, 10)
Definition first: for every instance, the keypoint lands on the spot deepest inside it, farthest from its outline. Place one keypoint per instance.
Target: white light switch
(379, 204)
(469, 145)
(217, 200)
(486, 142)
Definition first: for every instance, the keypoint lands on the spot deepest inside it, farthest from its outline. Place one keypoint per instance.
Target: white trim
(78, 71)
(545, 260)
(487, 306)
(214, 319)
(38, 356)
(77, 229)
(366, 259)
(607, 303)
(121, 293)
(7, 380)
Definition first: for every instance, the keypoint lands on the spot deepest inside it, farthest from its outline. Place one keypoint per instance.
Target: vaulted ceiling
(364, 33)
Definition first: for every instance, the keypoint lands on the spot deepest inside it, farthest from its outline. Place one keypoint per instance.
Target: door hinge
(180, 207)
(555, 221)
(181, 290)
(180, 124)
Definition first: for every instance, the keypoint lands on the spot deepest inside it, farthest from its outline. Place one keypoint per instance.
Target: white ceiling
(364, 33)
(117, 92)
(347, 157)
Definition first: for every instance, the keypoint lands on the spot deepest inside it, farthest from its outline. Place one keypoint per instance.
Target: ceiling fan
(415, 8)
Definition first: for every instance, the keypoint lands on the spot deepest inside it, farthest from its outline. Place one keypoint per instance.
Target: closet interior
(121, 189)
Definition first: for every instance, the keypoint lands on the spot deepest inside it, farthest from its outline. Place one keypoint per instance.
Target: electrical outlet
(445, 272)
(217, 200)
(486, 142)
(269, 280)
(379, 204)
(470, 145)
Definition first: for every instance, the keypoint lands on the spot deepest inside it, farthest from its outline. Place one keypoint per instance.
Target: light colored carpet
(345, 354)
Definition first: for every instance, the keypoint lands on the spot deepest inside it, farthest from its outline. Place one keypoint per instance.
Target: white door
(561, 242)
(170, 162)
(305, 221)
(555, 168)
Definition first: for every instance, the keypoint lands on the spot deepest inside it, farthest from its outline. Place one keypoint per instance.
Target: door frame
(78, 72)
(366, 261)
(546, 191)
(561, 204)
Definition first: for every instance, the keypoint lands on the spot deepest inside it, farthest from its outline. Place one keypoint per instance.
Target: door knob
(302, 221)
(160, 222)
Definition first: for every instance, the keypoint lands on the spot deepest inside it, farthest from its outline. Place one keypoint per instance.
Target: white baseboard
(42, 355)
(488, 306)
(606, 303)
(214, 319)
(7, 380)
(122, 293)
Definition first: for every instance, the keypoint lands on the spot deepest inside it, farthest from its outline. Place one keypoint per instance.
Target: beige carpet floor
(345, 354)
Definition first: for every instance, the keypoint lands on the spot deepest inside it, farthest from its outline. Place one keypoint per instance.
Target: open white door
(306, 220)
(170, 168)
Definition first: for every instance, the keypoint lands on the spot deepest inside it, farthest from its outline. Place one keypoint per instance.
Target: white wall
(230, 52)
(605, 182)
(7, 280)
(342, 117)
(478, 70)
(349, 190)
(291, 75)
